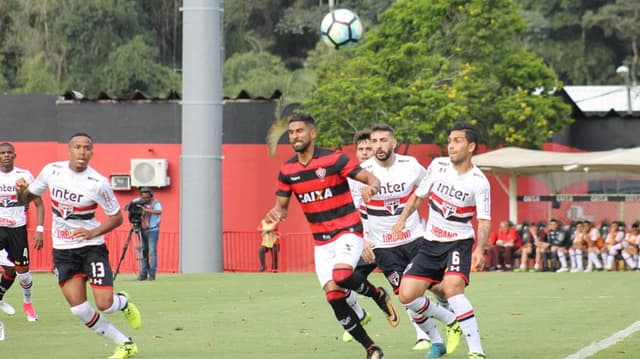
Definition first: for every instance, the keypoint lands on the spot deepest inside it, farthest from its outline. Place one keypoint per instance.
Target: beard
(383, 155)
(301, 147)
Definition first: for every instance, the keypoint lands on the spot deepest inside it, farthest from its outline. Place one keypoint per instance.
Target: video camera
(135, 211)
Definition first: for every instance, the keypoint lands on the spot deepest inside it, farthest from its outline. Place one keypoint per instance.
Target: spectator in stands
(502, 245)
(613, 243)
(528, 235)
(594, 244)
(630, 244)
(270, 244)
(558, 246)
(578, 247)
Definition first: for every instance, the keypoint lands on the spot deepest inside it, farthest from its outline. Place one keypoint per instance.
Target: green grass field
(266, 315)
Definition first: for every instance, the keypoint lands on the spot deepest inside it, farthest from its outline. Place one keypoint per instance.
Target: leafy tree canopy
(430, 63)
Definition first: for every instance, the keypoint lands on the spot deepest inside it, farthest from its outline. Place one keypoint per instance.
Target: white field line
(595, 347)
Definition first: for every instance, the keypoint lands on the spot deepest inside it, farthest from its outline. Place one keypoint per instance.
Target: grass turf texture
(267, 315)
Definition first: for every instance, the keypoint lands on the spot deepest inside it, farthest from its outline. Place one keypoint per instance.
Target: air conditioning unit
(150, 172)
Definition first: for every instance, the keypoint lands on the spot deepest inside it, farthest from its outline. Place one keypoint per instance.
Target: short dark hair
(302, 117)
(146, 190)
(362, 135)
(383, 127)
(7, 144)
(80, 134)
(470, 131)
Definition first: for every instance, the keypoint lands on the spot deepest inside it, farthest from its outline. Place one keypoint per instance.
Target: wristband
(40, 229)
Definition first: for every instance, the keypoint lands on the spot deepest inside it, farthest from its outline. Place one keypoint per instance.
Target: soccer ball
(341, 28)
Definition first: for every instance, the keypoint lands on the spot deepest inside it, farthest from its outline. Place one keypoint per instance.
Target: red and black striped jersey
(323, 192)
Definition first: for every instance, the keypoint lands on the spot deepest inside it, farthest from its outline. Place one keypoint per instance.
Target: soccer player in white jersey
(456, 190)
(14, 244)
(79, 250)
(399, 176)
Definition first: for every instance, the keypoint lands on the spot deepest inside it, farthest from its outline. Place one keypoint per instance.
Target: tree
(258, 73)
(429, 63)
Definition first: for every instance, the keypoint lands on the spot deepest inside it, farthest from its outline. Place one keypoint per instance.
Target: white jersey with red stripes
(11, 211)
(397, 183)
(453, 200)
(74, 200)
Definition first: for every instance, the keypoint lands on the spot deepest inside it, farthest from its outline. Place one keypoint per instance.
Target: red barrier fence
(240, 252)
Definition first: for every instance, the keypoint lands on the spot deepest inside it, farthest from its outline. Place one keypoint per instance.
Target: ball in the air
(341, 28)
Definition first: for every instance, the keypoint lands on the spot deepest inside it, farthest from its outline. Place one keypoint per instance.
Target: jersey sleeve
(107, 199)
(283, 186)
(483, 199)
(38, 185)
(348, 167)
(424, 187)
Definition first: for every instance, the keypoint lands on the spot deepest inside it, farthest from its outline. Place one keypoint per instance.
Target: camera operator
(151, 209)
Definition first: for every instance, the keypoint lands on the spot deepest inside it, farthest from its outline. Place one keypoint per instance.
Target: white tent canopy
(557, 169)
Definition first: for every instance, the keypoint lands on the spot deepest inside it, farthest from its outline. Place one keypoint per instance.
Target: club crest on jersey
(448, 210)
(65, 210)
(5, 200)
(321, 172)
(394, 279)
(392, 205)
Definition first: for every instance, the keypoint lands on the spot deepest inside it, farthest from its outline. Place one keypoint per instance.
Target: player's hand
(38, 240)
(477, 259)
(368, 192)
(276, 214)
(82, 233)
(396, 229)
(367, 253)
(21, 184)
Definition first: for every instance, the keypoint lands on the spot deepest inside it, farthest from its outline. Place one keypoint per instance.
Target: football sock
(420, 334)
(464, 312)
(98, 323)
(5, 283)
(627, 258)
(604, 256)
(347, 278)
(423, 308)
(572, 258)
(348, 318)
(610, 260)
(579, 260)
(563, 260)
(594, 260)
(352, 300)
(119, 303)
(26, 282)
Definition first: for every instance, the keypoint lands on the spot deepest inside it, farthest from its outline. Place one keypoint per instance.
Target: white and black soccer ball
(341, 28)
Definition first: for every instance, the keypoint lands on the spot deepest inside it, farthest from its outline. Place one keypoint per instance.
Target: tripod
(135, 228)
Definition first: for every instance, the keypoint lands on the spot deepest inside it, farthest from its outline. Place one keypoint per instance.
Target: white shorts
(346, 250)
(4, 259)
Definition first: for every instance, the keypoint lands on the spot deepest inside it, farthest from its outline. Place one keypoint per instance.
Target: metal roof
(601, 100)
(137, 95)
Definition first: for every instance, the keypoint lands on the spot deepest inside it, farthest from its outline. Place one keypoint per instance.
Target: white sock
(98, 323)
(603, 255)
(467, 319)
(579, 259)
(422, 306)
(628, 259)
(594, 260)
(610, 259)
(352, 300)
(563, 260)
(26, 282)
(572, 258)
(420, 334)
(119, 303)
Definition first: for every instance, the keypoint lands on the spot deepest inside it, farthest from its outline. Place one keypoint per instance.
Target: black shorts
(393, 261)
(437, 259)
(14, 241)
(90, 262)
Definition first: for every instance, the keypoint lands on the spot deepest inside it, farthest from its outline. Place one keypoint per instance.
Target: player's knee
(335, 295)
(104, 304)
(341, 276)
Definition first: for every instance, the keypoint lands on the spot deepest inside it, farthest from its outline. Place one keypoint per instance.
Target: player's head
(504, 226)
(553, 224)
(7, 156)
(364, 149)
(384, 142)
(80, 151)
(302, 132)
(463, 142)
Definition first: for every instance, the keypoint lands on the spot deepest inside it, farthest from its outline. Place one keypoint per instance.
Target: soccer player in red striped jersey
(318, 178)
(457, 191)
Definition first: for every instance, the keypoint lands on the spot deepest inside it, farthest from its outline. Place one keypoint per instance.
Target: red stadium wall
(248, 183)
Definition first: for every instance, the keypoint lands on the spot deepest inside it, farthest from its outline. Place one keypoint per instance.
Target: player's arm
(279, 211)
(23, 194)
(477, 260)
(38, 235)
(372, 184)
(412, 204)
